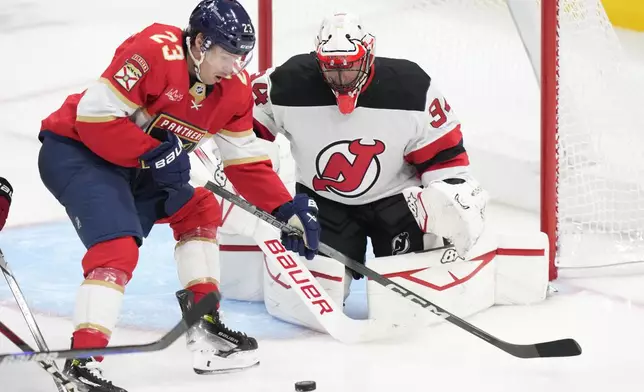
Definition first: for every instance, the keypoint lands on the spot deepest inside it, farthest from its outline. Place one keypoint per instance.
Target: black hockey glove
(169, 163)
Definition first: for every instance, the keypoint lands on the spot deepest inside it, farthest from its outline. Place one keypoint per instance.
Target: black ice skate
(215, 347)
(88, 376)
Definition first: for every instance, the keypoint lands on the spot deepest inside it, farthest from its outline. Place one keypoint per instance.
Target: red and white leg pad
(242, 268)
(283, 302)
(506, 270)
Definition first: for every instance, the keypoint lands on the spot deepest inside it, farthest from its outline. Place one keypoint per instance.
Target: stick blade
(554, 349)
(559, 348)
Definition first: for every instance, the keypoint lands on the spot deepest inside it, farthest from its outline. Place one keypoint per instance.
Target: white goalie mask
(345, 54)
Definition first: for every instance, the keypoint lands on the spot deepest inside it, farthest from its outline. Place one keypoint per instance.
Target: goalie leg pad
(440, 276)
(282, 301)
(242, 268)
(522, 268)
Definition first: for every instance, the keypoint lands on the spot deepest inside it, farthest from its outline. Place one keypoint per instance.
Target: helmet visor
(225, 63)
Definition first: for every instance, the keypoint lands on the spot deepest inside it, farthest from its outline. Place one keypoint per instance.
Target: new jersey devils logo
(400, 244)
(348, 168)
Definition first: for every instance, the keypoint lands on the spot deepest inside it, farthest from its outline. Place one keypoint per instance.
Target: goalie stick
(207, 304)
(29, 318)
(62, 381)
(558, 348)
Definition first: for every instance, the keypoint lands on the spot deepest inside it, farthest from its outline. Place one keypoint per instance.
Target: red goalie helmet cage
(558, 134)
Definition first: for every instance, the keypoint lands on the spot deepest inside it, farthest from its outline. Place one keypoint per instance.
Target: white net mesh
(474, 54)
(601, 174)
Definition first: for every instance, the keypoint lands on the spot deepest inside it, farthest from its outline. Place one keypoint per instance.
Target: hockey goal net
(559, 134)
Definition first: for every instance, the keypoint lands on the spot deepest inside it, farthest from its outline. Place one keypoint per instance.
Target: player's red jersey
(147, 86)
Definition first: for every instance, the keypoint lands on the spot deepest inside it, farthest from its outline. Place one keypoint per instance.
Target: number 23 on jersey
(171, 50)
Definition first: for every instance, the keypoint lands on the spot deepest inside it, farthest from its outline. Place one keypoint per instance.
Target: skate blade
(225, 371)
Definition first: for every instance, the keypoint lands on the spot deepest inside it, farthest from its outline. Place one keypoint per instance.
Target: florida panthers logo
(348, 168)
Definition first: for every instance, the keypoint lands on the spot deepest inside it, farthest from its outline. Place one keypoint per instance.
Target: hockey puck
(304, 386)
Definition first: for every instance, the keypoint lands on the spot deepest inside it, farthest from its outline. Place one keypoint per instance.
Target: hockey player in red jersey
(366, 134)
(115, 156)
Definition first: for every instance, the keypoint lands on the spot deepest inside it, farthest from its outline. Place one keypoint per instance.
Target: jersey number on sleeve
(260, 90)
(438, 113)
(170, 54)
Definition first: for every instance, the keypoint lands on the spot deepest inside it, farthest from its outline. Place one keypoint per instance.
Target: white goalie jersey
(402, 133)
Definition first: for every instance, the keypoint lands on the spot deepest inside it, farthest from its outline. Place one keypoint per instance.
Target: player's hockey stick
(207, 304)
(558, 348)
(62, 381)
(27, 314)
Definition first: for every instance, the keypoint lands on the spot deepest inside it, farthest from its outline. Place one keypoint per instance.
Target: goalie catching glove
(301, 213)
(453, 208)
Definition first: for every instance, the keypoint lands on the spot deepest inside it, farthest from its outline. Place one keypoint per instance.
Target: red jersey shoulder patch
(128, 76)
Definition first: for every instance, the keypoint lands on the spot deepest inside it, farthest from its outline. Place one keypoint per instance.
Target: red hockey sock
(90, 338)
(200, 290)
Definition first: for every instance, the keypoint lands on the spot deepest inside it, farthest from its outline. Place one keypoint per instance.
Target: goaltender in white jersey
(380, 150)
(362, 131)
